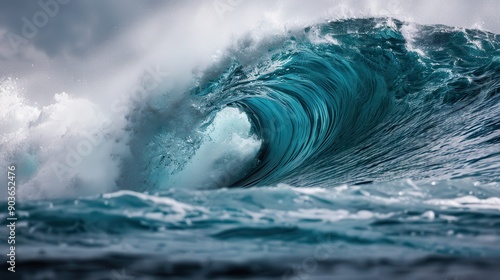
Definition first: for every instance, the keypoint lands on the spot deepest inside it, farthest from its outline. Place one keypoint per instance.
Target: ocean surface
(351, 149)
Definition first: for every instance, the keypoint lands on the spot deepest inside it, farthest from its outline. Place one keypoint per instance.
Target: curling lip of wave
(329, 95)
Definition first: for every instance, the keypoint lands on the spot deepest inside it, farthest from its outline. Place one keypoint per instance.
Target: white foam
(469, 201)
(310, 191)
(176, 206)
(328, 215)
(409, 32)
(15, 114)
(55, 147)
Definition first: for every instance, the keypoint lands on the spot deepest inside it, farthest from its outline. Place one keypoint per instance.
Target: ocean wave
(371, 97)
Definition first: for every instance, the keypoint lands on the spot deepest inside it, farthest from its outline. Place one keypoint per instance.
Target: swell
(366, 100)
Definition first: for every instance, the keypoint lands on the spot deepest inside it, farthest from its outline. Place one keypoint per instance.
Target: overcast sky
(51, 48)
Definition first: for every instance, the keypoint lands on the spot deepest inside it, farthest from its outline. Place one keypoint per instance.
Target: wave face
(365, 100)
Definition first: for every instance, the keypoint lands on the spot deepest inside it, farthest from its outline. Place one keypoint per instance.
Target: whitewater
(361, 143)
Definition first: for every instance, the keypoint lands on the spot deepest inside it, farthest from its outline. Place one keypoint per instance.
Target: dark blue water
(372, 152)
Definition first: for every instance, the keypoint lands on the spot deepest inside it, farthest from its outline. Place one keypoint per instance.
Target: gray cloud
(73, 28)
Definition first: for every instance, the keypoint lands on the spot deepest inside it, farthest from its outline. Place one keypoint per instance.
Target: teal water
(356, 149)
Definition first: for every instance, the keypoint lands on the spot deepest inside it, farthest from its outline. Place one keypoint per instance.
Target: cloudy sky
(87, 47)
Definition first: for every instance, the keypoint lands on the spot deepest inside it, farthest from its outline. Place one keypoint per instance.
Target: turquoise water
(354, 149)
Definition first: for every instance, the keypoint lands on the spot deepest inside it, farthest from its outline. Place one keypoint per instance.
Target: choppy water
(353, 149)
